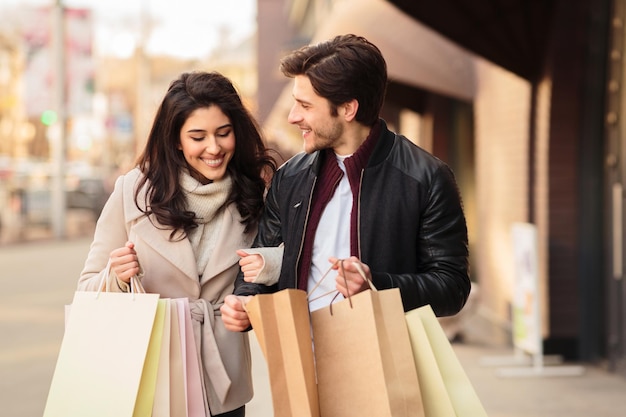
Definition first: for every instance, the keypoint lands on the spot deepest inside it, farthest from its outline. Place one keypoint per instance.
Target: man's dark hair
(341, 69)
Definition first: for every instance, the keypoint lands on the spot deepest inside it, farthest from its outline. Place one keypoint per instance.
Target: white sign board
(527, 333)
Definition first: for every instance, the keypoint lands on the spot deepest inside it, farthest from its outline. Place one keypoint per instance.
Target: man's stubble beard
(325, 140)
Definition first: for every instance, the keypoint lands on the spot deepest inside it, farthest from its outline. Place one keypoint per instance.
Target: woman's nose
(212, 145)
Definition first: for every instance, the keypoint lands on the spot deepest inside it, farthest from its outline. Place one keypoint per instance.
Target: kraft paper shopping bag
(282, 326)
(397, 332)
(446, 389)
(363, 358)
(102, 355)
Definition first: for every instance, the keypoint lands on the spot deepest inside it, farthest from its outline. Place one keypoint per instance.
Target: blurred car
(88, 193)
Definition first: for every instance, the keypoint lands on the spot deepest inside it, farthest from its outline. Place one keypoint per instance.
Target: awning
(513, 34)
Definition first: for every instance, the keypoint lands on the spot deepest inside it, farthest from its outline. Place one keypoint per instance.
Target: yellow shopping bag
(446, 389)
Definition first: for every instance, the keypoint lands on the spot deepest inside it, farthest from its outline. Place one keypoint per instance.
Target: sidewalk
(39, 278)
(596, 392)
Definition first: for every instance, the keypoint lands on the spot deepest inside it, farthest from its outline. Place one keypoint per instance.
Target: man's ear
(349, 109)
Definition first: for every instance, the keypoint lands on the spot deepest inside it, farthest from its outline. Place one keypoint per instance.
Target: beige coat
(169, 269)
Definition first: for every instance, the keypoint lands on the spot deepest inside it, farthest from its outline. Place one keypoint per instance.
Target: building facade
(524, 100)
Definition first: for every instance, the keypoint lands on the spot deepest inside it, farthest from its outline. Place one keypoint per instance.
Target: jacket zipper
(358, 216)
(306, 221)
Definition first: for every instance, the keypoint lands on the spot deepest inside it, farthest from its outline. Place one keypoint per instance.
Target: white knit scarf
(207, 201)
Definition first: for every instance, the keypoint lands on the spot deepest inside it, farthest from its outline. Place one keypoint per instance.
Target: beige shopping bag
(282, 327)
(446, 389)
(102, 355)
(363, 358)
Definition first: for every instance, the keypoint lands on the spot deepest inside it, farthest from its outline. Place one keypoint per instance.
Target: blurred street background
(523, 99)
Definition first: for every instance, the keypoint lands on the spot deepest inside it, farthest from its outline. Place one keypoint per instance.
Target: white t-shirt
(332, 238)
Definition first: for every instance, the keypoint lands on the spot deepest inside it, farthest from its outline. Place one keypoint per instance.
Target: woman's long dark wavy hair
(161, 161)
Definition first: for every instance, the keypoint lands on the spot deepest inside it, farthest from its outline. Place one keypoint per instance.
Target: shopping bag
(102, 355)
(147, 385)
(363, 357)
(178, 396)
(178, 388)
(446, 389)
(178, 383)
(193, 377)
(282, 327)
(161, 405)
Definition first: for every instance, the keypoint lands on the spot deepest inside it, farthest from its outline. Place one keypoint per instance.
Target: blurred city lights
(49, 117)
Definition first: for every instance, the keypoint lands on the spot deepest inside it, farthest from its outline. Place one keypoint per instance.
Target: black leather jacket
(412, 230)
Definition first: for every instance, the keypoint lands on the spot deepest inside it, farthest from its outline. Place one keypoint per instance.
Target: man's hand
(353, 276)
(234, 315)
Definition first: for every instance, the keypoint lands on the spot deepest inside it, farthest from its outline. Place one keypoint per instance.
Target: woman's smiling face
(207, 140)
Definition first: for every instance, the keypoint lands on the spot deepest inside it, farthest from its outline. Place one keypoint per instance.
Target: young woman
(177, 219)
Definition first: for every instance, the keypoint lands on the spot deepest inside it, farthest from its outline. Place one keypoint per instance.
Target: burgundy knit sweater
(328, 178)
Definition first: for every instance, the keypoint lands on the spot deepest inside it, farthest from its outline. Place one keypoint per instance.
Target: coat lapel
(179, 252)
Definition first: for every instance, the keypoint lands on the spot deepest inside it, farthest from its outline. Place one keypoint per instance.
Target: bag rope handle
(340, 261)
(134, 283)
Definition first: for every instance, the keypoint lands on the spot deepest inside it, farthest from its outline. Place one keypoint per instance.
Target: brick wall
(502, 107)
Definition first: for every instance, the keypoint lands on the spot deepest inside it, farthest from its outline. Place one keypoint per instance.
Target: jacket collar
(380, 139)
(384, 143)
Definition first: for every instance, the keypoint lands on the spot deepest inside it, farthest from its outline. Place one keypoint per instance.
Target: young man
(360, 199)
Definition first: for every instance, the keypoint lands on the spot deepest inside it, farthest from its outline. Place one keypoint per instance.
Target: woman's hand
(251, 265)
(234, 315)
(124, 262)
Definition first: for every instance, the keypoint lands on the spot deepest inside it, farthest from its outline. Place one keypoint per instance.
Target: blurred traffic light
(48, 117)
